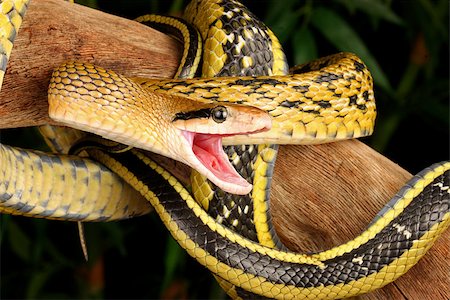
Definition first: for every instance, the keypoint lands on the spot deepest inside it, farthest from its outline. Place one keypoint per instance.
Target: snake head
(203, 130)
(108, 104)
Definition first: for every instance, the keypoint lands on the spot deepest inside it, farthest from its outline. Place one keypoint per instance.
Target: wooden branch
(321, 196)
(55, 31)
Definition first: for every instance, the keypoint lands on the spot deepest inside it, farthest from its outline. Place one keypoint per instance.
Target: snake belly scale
(395, 240)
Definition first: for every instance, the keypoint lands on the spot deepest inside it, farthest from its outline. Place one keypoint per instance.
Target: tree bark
(56, 31)
(321, 195)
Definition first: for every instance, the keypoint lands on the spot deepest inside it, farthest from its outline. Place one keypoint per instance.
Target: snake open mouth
(214, 163)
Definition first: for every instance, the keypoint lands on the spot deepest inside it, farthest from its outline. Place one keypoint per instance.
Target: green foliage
(404, 43)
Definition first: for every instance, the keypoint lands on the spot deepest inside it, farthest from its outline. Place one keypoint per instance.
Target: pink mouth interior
(208, 150)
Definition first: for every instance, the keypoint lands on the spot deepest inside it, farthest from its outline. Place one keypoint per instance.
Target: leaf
(439, 112)
(435, 16)
(40, 241)
(176, 8)
(277, 9)
(37, 281)
(436, 105)
(339, 33)
(284, 26)
(175, 257)
(19, 241)
(384, 131)
(374, 8)
(304, 46)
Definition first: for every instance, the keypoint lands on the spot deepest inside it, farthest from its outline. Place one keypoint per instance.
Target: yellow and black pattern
(386, 250)
(41, 185)
(332, 103)
(183, 32)
(60, 139)
(396, 239)
(11, 15)
(237, 43)
(253, 56)
(89, 187)
(248, 215)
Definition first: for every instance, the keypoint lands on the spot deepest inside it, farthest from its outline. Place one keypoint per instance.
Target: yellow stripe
(280, 66)
(260, 182)
(222, 230)
(387, 218)
(260, 285)
(169, 21)
(11, 15)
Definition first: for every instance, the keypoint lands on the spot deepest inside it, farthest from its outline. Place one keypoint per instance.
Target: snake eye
(219, 114)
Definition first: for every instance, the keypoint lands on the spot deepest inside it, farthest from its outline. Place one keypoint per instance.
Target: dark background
(404, 43)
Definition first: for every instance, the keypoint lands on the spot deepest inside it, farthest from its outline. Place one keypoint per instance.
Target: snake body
(51, 185)
(259, 54)
(413, 220)
(332, 101)
(332, 105)
(11, 15)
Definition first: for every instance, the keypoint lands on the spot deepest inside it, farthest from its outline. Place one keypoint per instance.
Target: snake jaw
(208, 158)
(203, 130)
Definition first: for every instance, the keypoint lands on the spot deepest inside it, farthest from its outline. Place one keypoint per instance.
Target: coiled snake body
(323, 102)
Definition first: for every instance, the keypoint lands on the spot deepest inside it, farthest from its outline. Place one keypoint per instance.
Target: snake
(332, 105)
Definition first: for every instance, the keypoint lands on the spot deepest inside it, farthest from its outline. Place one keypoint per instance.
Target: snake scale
(320, 102)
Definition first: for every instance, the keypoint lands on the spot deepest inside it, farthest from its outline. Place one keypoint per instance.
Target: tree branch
(56, 31)
(321, 195)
